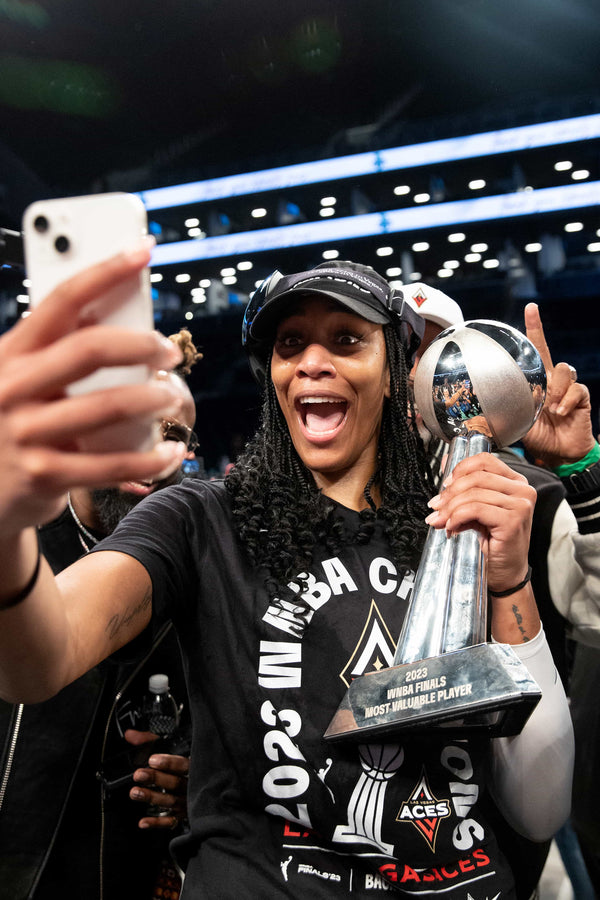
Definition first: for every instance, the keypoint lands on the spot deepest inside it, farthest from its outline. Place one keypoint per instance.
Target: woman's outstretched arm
(52, 631)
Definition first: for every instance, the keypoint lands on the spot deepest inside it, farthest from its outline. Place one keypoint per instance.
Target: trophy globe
(480, 376)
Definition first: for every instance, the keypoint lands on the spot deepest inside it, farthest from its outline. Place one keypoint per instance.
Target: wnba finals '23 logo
(424, 811)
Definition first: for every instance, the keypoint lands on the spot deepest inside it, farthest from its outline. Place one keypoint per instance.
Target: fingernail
(154, 761)
(172, 452)
(434, 502)
(136, 794)
(170, 449)
(169, 346)
(141, 776)
(139, 253)
(447, 481)
(432, 518)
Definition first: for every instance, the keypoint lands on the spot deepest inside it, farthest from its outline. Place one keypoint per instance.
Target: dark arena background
(450, 141)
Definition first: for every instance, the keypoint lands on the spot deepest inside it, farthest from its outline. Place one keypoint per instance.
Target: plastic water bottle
(160, 709)
(162, 717)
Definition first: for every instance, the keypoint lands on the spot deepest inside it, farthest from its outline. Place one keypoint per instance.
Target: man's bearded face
(112, 504)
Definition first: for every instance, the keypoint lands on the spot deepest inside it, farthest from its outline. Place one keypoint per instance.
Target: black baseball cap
(358, 288)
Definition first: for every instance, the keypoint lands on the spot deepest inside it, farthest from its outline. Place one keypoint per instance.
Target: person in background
(564, 555)
(61, 831)
(585, 711)
(284, 583)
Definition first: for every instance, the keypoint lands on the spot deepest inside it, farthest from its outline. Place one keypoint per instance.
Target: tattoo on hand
(116, 622)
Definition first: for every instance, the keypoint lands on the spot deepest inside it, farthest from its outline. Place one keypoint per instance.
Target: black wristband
(512, 590)
(18, 598)
(583, 482)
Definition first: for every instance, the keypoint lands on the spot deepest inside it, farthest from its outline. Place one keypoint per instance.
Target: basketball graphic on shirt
(481, 376)
(381, 758)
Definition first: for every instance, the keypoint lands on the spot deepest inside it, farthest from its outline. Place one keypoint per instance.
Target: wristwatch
(582, 482)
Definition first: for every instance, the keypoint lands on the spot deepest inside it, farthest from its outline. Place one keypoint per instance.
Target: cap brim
(433, 305)
(267, 318)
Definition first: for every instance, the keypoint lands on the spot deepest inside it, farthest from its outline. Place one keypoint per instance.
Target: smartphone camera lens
(41, 224)
(62, 243)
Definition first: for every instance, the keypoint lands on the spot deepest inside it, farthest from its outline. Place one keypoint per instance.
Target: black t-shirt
(275, 810)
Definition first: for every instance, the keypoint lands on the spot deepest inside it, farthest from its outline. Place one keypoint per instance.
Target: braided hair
(281, 516)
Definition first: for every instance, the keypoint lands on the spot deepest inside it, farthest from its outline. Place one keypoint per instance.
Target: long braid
(405, 476)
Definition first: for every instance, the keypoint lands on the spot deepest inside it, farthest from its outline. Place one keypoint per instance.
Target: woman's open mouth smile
(321, 416)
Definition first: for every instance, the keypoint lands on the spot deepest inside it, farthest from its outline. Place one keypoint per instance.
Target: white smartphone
(62, 237)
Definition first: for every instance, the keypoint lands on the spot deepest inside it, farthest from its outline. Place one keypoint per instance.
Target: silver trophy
(479, 386)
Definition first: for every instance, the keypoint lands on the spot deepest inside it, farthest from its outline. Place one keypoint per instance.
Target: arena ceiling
(134, 94)
(93, 91)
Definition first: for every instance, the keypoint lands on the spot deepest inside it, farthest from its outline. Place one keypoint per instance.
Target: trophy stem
(448, 608)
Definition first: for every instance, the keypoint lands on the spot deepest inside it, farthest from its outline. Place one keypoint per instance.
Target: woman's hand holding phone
(43, 428)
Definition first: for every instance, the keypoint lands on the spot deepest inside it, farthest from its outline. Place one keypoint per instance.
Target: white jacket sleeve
(574, 574)
(531, 773)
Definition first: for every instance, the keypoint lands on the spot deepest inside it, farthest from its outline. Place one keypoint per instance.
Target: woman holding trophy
(286, 583)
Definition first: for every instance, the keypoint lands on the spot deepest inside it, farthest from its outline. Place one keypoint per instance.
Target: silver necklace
(81, 529)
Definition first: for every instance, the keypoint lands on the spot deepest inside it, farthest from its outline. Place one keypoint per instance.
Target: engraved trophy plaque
(445, 675)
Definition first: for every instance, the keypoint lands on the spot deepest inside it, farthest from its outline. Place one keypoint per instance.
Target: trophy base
(483, 689)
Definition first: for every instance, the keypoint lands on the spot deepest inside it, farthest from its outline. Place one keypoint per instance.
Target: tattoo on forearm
(119, 621)
(519, 620)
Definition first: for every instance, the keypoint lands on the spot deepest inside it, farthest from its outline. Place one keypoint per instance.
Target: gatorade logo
(419, 297)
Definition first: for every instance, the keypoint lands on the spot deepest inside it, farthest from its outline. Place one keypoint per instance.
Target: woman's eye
(348, 338)
(288, 340)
